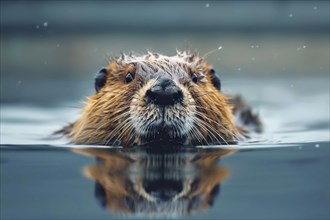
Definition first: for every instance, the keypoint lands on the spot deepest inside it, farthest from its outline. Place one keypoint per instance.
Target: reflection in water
(167, 182)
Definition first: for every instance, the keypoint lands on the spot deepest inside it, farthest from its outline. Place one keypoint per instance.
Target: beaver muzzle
(165, 100)
(164, 93)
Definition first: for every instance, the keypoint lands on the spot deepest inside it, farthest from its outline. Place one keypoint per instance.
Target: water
(281, 174)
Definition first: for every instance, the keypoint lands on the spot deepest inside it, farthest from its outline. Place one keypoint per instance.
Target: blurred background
(50, 50)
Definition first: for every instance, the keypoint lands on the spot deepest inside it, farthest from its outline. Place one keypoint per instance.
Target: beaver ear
(100, 79)
(215, 79)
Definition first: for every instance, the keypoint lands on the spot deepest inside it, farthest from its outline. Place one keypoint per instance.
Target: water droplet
(19, 83)
(317, 145)
(220, 47)
(299, 48)
(57, 45)
(257, 46)
(45, 24)
(253, 58)
(252, 46)
(304, 46)
(299, 148)
(239, 69)
(207, 5)
(290, 15)
(315, 7)
(291, 85)
(37, 26)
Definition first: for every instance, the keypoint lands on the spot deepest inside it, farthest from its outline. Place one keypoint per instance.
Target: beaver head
(155, 98)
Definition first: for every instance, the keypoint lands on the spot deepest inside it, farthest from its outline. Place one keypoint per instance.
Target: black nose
(164, 92)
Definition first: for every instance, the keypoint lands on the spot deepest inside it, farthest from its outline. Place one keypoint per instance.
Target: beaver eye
(194, 78)
(129, 78)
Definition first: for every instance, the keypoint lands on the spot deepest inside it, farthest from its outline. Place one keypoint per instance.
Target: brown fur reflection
(156, 183)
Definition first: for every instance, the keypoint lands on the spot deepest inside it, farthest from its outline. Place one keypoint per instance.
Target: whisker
(204, 117)
(197, 133)
(116, 130)
(208, 128)
(233, 134)
(124, 129)
(200, 95)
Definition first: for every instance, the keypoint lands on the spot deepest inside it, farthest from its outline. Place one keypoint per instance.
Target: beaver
(154, 98)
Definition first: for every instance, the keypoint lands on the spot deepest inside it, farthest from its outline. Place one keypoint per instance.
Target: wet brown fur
(106, 118)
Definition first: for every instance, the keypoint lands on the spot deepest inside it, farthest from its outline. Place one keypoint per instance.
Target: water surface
(280, 174)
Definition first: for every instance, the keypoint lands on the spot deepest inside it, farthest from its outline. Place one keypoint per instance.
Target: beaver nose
(165, 92)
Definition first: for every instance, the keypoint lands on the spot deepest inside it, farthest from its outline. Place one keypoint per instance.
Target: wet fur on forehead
(177, 66)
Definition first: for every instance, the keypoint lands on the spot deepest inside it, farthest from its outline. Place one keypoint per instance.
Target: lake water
(280, 174)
